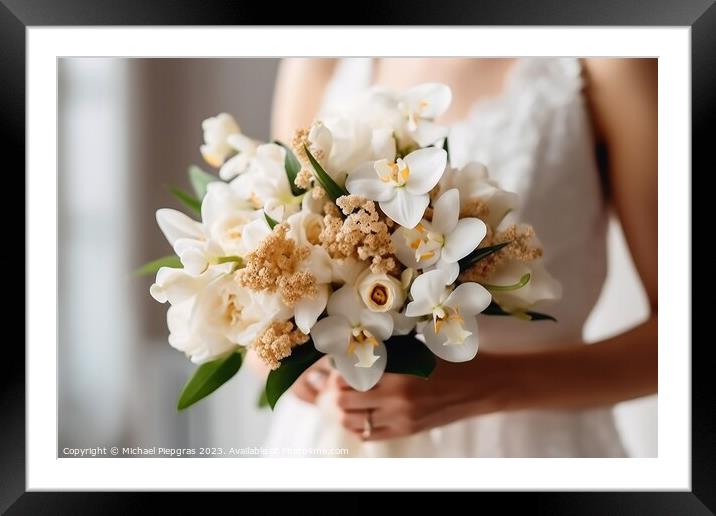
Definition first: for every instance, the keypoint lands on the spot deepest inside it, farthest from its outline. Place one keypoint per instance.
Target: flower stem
(506, 288)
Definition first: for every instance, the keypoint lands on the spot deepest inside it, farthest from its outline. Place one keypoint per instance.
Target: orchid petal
(451, 269)
(379, 324)
(469, 298)
(346, 302)
(453, 352)
(426, 168)
(361, 378)
(446, 212)
(364, 181)
(308, 310)
(464, 239)
(332, 335)
(428, 132)
(430, 99)
(404, 208)
(427, 290)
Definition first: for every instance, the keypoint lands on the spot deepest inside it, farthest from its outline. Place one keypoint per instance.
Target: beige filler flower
(275, 267)
(522, 249)
(363, 234)
(277, 342)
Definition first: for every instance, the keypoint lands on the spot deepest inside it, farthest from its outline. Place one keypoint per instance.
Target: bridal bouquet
(359, 241)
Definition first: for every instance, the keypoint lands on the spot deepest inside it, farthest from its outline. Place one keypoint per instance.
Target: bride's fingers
(356, 400)
(355, 420)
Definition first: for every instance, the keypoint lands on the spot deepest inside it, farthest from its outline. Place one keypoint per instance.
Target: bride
(539, 125)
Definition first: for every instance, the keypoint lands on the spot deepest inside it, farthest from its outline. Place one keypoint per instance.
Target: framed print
(435, 244)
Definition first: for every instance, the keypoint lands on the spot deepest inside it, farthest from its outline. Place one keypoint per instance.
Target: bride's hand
(402, 405)
(312, 381)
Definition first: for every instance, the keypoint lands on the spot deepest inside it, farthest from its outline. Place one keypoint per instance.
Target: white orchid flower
(345, 143)
(442, 241)
(245, 148)
(401, 188)
(473, 182)
(353, 336)
(518, 286)
(420, 107)
(453, 333)
(266, 183)
(216, 146)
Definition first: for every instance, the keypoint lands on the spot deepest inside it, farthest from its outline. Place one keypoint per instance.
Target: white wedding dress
(535, 139)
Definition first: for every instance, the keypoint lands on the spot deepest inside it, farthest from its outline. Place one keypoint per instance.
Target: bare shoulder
(619, 90)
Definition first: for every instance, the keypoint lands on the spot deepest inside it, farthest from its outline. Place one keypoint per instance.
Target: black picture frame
(700, 15)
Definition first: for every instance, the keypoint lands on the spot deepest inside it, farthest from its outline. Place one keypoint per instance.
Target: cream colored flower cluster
(359, 230)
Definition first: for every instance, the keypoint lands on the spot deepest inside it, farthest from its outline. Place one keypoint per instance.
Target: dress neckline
(510, 85)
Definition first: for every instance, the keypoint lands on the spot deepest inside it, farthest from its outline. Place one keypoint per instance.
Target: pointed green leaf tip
(329, 185)
(187, 200)
(293, 167)
(208, 377)
(281, 379)
(479, 254)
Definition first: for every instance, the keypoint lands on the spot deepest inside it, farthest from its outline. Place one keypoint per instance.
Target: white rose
(380, 292)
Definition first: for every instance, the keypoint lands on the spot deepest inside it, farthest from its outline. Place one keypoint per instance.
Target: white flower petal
(470, 298)
(451, 269)
(255, 232)
(430, 99)
(361, 378)
(402, 324)
(446, 212)
(234, 166)
(426, 291)
(426, 168)
(380, 324)
(383, 144)
(174, 224)
(307, 311)
(365, 181)
(405, 208)
(453, 352)
(427, 133)
(332, 335)
(466, 236)
(403, 252)
(346, 302)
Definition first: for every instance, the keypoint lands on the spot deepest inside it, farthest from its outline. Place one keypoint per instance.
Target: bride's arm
(623, 97)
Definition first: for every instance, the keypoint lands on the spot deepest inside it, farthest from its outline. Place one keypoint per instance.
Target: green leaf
(270, 220)
(293, 167)
(187, 200)
(207, 378)
(153, 266)
(329, 185)
(407, 355)
(280, 380)
(479, 254)
(262, 402)
(199, 180)
(495, 309)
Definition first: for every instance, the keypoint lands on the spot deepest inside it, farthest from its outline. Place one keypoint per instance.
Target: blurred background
(128, 129)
